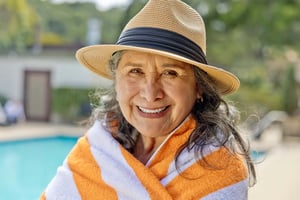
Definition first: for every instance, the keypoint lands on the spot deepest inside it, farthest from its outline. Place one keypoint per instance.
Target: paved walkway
(279, 174)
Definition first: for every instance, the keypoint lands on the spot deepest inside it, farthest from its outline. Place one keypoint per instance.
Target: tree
(17, 22)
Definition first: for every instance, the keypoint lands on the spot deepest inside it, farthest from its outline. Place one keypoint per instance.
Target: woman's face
(155, 93)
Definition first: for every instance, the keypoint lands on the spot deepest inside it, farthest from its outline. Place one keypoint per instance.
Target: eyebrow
(133, 64)
(174, 65)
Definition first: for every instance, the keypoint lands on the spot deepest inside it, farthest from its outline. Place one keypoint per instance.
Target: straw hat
(169, 28)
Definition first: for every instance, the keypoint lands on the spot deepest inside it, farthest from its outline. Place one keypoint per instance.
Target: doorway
(37, 95)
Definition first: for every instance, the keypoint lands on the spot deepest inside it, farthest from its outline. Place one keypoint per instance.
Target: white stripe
(115, 170)
(185, 160)
(62, 186)
(237, 191)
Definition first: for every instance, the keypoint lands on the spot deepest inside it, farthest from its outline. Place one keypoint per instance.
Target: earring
(200, 100)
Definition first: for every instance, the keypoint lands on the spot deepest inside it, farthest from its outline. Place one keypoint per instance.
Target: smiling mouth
(152, 111)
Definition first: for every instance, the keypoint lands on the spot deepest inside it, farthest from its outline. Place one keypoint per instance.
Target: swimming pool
(27, 166)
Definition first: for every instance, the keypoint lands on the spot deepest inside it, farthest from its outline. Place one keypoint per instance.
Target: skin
(155, 94)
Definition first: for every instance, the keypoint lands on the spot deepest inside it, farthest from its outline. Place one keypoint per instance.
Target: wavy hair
(216, 120)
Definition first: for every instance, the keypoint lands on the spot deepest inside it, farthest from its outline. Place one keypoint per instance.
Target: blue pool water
(258, 156)
(27, 166)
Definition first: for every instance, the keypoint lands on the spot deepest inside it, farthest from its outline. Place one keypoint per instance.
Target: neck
(146, 146)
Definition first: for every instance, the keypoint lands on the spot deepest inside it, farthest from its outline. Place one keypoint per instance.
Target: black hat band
(164, 40)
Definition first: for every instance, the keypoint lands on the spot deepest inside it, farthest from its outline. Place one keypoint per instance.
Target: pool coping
(32, 130)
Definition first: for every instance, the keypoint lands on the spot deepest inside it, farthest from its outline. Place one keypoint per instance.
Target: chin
(153, 133)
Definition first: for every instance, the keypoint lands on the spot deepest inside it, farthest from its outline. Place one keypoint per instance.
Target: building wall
(65, 72)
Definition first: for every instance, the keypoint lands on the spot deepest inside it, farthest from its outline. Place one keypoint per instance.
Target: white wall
(65, 72)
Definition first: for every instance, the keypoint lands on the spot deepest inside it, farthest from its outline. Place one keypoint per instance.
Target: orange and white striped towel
(99, 168)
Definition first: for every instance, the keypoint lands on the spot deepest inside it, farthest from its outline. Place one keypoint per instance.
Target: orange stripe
(43, 196)
(160, 164)
(155, 190)
(203, 180)
(87, 174)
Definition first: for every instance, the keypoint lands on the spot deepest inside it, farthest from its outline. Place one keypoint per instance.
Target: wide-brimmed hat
(169, 28)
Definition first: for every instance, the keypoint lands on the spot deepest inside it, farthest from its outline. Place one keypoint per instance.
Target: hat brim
(96, 59)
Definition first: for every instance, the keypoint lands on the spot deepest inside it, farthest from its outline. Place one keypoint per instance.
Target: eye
(136, 71)
(170, 73)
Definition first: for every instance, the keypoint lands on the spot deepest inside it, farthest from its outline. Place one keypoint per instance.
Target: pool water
(258, 156)
(27, 166)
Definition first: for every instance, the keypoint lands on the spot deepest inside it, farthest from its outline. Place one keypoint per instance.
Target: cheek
(184, 94)
(124, 89)
(120, 91)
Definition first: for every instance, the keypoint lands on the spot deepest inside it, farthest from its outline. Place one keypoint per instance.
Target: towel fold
(98, 167)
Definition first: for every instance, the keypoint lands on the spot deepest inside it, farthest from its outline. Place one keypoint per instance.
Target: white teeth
(152, 111)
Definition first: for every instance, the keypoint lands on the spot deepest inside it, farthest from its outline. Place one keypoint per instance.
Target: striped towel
(99, 168)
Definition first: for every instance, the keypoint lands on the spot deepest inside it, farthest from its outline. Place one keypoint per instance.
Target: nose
(151, 88)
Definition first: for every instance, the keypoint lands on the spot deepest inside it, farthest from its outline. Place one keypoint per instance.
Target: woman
(163, 131)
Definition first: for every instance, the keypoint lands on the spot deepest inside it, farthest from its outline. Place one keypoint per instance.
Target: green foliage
(134, 7)
(289, 96)
(52, 39)
(68, 103)
(242, 36)
(111, 25)
(3, 100)
(66, 21)
(17, 22)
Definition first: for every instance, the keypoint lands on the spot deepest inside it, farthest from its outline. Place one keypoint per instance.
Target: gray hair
(216, 119)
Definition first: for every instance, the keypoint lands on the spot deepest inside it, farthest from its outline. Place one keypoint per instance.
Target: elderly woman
(163, 131)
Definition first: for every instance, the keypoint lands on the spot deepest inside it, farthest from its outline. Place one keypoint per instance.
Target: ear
(199, 94)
